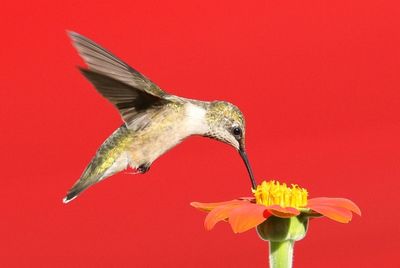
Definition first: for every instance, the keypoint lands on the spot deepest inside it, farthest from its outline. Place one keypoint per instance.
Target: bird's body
(155, 121)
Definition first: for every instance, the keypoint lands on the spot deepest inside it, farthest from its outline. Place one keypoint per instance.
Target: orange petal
(282, 212)
(335, 202)
(246, 217)
(210, 206)
(250, 199)
(338, 214)
(219, 214)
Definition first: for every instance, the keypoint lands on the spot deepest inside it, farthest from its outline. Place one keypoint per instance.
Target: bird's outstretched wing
(104, 62)
(130, 92)
(132, 103)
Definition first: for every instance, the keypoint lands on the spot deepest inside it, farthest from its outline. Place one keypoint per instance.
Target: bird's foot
(143, 168)
(140, 170)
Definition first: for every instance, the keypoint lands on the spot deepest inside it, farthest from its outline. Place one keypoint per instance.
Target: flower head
(275, 193)
(273, 198)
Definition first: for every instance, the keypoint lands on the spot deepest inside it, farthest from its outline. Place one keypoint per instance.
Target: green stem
(281, 254)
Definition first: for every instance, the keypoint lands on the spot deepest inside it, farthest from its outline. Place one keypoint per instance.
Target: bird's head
(226, 123)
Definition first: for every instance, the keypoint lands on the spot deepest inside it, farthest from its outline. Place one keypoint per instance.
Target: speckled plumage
(222, 116)
(154, 121)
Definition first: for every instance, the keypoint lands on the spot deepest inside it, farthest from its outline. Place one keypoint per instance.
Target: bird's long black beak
(243, 154)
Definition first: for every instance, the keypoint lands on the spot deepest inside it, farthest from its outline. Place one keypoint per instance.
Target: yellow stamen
(274, 193)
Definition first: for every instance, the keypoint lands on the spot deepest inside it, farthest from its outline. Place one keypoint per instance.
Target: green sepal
(282, 229)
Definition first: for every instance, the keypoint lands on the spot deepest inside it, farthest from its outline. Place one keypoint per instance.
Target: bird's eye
(237, 132)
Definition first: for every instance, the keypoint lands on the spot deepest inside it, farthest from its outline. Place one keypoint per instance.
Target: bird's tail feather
(88, 178)
(110, 159)
(81, 185)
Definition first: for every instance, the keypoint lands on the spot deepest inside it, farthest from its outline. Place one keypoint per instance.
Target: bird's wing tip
(77, 37)
(71, 34)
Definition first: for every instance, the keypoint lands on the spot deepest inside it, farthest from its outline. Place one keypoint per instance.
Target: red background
(318, 82)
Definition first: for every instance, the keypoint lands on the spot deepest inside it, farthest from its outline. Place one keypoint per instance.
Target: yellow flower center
(275, 193)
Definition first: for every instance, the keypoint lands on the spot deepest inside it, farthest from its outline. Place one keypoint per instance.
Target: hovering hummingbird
(154, 121)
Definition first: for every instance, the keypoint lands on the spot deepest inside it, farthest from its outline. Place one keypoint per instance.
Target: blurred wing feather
(132, 103)
(102, 61)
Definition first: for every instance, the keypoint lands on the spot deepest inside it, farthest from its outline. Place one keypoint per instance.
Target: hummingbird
(154, 121)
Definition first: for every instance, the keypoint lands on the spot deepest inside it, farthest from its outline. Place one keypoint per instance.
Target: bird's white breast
(167, 131)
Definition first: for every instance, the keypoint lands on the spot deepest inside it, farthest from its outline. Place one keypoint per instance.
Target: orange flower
(273, 198)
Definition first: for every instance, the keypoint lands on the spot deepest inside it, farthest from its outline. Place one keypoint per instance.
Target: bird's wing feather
(102, 61)
(133, 104)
